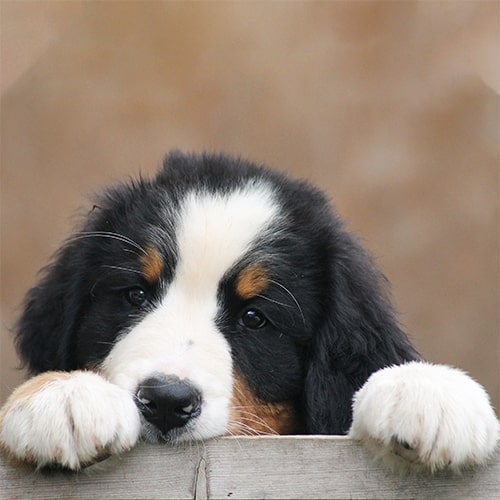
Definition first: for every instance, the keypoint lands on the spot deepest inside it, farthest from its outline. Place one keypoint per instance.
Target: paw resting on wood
(69, 419)
(428, 417)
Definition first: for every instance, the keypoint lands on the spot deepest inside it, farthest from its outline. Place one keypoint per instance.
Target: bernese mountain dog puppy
(223, 298)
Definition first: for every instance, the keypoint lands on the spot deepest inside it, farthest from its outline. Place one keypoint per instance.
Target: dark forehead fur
(307, 223)
(212, 174)
(147, 209)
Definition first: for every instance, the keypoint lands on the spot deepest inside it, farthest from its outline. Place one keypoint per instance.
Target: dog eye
(137, 296)
(253, 319)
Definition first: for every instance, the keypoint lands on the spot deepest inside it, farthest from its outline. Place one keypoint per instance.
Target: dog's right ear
(360, 335)
(49, 318)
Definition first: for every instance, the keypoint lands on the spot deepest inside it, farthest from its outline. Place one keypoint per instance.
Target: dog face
(225, 297)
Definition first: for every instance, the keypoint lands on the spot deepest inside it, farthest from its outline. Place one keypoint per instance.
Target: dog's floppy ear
(51, 309)
(360, 334)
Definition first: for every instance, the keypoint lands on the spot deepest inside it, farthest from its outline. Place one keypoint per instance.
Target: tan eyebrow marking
(252, 281)
(152, 265)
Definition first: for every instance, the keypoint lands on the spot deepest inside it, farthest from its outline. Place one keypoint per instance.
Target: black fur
(315, 355)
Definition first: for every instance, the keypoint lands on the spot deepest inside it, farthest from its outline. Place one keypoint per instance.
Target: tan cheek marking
(152, 265)
(252, 281)
(249, 416)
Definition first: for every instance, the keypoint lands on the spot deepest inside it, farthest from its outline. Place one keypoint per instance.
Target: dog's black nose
(168, 402)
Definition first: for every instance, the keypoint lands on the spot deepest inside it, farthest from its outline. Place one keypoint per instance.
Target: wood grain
(246, 467)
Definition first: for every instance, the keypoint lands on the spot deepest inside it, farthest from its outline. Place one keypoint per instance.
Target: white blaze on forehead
(216, 230)
(180, 336)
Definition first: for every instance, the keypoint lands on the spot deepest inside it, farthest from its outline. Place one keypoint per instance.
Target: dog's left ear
(51, 311)
(359, 335)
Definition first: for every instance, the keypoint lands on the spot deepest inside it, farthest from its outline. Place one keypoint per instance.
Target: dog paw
(421, 416)
(69, 419)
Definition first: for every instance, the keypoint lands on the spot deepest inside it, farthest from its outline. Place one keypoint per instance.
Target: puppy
(224, 298)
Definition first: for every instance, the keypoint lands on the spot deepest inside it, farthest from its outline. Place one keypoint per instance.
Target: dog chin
(151, 434)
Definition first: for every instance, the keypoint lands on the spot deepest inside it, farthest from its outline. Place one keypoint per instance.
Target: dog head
(225, 297)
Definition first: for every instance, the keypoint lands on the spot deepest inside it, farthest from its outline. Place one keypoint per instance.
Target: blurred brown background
(392, 107)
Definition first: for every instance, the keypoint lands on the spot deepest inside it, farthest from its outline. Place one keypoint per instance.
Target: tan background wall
(391, 107)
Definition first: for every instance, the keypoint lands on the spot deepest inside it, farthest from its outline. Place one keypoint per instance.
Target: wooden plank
(146, 472)
(247, 467)
(326, 467)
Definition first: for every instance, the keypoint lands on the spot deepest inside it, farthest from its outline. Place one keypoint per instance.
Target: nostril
(190, 411)
(168, 402)
(141, 398)
(186, 410)
(144, 402)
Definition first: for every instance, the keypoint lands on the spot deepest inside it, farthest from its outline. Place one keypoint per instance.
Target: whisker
(273, 301)
(251, 431)
(238, 407)
(107, 234)
(123, 269)
(248, 431)
(167, 384)
(241, 429)
(231, 433)
(293, 298)
(97, 281)
(253, 418)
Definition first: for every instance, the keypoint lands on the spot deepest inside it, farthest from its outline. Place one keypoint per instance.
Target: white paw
(69, 419)
(423, 416)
